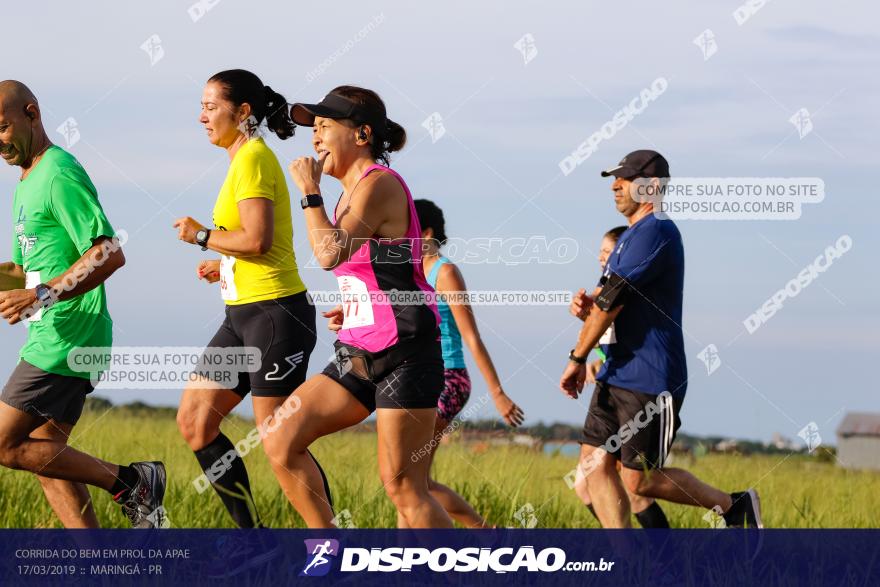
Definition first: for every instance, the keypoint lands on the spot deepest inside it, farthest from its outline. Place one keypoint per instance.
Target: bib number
(610, 337)
(32, 279)
(357, 308)
(228, 291)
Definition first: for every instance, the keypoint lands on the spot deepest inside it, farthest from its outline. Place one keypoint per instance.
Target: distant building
(502, 438)
(858, 441)
(780, 442)
(526, 440)
(729, 445)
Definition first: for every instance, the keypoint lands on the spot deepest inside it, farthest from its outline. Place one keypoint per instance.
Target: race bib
(357, 308)
(228, 291)
(610, 337)
(32, 280)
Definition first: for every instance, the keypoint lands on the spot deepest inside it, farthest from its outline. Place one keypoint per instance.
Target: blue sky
(495, 172)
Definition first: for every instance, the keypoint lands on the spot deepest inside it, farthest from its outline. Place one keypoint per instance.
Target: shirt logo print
(25, 243)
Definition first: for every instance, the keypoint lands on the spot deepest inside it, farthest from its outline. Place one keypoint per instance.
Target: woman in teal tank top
(457, 325)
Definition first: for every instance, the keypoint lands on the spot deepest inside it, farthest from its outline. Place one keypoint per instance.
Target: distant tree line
(556, 431)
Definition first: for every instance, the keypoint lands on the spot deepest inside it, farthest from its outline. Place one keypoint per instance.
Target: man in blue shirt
(634, 411)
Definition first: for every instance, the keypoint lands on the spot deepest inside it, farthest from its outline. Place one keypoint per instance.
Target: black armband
(613, 293)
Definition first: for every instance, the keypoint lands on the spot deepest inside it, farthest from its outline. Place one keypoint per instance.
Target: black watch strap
(312, 201)
(576, 359)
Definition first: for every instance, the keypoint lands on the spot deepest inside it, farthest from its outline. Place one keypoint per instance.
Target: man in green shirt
(64, 250)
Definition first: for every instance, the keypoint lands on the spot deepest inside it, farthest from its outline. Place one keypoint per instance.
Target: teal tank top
(450, 337)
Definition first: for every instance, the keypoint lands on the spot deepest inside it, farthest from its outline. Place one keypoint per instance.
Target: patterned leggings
(455, 394)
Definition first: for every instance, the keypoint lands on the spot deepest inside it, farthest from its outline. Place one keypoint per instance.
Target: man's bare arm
(91, 270)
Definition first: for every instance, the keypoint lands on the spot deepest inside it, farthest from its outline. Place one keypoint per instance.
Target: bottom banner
(487, 557)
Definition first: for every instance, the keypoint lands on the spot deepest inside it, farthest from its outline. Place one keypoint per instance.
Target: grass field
(796, 492)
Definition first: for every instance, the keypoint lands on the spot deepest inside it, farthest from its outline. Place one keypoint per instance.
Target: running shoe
(143, 504)
(745, 511)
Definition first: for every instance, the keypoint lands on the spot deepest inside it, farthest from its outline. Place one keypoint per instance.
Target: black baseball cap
(333, 106)
(643, 163)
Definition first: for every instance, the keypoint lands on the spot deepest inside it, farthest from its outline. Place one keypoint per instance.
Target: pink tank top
(380, 266)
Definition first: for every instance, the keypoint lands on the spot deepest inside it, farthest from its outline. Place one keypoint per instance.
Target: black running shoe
(143, 504)
(745, 511)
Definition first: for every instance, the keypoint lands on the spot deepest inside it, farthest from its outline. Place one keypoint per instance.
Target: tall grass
(796, 492)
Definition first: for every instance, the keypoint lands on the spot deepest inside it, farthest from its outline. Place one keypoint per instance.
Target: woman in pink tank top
(388, 357)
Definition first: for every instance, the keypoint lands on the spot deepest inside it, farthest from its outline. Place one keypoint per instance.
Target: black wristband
(576, 359)
(312, 201)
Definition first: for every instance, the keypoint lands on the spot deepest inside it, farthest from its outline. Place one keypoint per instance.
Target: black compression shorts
(283, 330)
(414, 383)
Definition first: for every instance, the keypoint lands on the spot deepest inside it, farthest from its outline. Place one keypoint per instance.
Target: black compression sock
(232, 482)
(652, 517)
(323, 478)
(125, 481)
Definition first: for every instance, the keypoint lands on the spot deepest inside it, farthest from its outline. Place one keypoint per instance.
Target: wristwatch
(202, 237)
(576, 359)
(45, 295)
(312, 201)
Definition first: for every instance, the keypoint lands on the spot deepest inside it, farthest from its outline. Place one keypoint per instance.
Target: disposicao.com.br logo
(318, 563)
(441, 560)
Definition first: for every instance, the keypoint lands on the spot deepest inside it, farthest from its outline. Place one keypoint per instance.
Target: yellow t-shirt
(256, 173)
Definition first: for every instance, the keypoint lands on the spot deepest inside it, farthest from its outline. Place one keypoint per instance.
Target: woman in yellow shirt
(267, 305)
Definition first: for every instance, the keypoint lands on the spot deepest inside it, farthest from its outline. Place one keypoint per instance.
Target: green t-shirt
(57, 217)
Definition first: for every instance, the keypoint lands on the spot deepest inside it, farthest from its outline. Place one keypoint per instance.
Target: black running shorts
(638, 428)
(46, 395)
(283, 330)
(415, 383)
